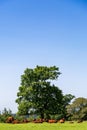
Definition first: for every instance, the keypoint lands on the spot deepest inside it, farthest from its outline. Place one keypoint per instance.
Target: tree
(5, 114)
(78, 109)
(66, 101)
(37, 94)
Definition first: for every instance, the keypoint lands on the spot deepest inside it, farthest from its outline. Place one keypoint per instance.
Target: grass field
(44, 126)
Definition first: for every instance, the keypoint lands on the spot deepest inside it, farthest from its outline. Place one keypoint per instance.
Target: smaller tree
(5, 114)
(78, 109)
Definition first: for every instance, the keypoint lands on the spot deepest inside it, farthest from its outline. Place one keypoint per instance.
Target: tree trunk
(42, 115)
(47, 116)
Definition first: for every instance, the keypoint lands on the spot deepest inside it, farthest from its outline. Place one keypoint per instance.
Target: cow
(62, 120)
(52, 121)
(10, 119)
(79, 121)
(38, 121)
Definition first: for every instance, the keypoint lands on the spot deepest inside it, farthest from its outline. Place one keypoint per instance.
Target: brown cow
(15, 122)
(79, 121)
(52, 121)
(38, 121)
(10, 119)
(62, 120)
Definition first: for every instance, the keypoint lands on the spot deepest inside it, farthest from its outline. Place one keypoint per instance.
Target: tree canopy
(37, 94)
(78, 109)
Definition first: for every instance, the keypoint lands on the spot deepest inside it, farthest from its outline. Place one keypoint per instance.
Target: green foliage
(5, 114)
(19, 118)
(37, 94)
(66, 101)
(78, 109)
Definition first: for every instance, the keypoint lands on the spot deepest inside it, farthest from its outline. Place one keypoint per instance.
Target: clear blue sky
(42, 32)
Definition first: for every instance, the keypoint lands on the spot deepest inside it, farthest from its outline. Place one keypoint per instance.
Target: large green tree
(38, 94)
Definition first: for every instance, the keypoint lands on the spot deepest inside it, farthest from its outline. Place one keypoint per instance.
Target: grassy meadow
(44, 126)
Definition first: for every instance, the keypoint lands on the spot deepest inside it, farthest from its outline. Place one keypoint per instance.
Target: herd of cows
(15, 121)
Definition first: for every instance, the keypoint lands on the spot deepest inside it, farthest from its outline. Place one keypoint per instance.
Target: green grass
(44, 126)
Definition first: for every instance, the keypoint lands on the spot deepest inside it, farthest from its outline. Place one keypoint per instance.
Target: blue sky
(42, 32)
